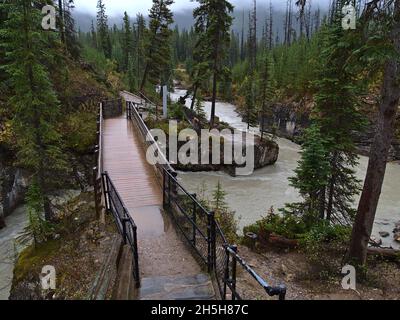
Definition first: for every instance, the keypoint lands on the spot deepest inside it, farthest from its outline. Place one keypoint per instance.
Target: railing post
(106, 191)
(233, 280)
(124, 236)
(211, 241)
(96, 193)
(226, 275)
(168, 174)
(282, 295)
(194, 218)
(136, 257)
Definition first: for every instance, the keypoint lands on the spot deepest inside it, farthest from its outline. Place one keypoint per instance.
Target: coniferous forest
(317, 85)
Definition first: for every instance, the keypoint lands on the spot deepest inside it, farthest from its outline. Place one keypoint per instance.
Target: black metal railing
(233, 261)
(125, 224)
(98, 169)
(199, 226)
(132, 113)
(189, 215)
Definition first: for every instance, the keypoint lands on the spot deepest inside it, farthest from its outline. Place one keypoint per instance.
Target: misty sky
(117, 7)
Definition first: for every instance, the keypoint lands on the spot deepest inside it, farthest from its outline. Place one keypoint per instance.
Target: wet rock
(13, 186)
(396, 227)
(284, 269)
(289, 120)
(375, 241)
(384, 234)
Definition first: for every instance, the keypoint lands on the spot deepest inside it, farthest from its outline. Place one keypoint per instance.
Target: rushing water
(252, 196)
(14, 239)
(9, 248)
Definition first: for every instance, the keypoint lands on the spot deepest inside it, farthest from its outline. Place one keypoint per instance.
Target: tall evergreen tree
(93, 36)
(248, 110)
(311, 175)
(127, 45)
(140, 45)
(71, 40)
(102, 29)
(337, 116)
(34, 102)
(158, 50)
(213, 22)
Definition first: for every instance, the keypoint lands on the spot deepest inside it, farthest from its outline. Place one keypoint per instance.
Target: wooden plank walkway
(162, 254)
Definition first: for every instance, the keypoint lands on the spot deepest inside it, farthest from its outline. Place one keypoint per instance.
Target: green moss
(33, 258)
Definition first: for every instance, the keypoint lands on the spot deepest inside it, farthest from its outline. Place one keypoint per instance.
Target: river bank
(252, 196)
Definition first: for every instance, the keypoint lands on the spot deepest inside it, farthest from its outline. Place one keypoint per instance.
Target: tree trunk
(61, 17)
(322, 204)
(214, 98)
(194, 97)
(379, 153)
(144, 79)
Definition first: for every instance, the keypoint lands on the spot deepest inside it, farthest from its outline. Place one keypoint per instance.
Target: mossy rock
(33, 258)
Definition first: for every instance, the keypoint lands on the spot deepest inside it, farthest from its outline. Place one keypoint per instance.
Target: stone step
(197, 287)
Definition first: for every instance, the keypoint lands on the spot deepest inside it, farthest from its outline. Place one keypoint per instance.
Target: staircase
(198, 287)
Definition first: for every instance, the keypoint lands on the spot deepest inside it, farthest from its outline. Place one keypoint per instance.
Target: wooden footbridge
(177, 250)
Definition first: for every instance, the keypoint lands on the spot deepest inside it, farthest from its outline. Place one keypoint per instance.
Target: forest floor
(304, 282)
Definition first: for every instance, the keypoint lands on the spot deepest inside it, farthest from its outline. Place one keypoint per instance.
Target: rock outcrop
(13, 184)
(266, 153)
(289, 121)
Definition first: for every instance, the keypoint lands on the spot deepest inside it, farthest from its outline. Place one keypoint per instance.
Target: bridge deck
(161, 252)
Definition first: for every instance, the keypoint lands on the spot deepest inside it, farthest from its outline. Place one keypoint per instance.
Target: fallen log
(282, 242)
(385, 253)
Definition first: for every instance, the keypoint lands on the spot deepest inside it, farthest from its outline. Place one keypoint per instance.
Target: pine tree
(213, 22)
(34, 102)
(102, 29)
(71, 40)
(140, 45)
(224, 216)
(93, 35)
(248, 110)
(267, 88)
(199, 108)
(337, 115)
(131, 74)
(311, 175)
(252, 38)
(200, 70)
(302, 15)
(127, 46)
(158, 50)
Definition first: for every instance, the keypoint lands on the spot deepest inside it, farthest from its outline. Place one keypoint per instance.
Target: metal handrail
(125, 223)
(147, 135)
(100, 163)
(98, 169)
(270, 290)
(205, 211)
